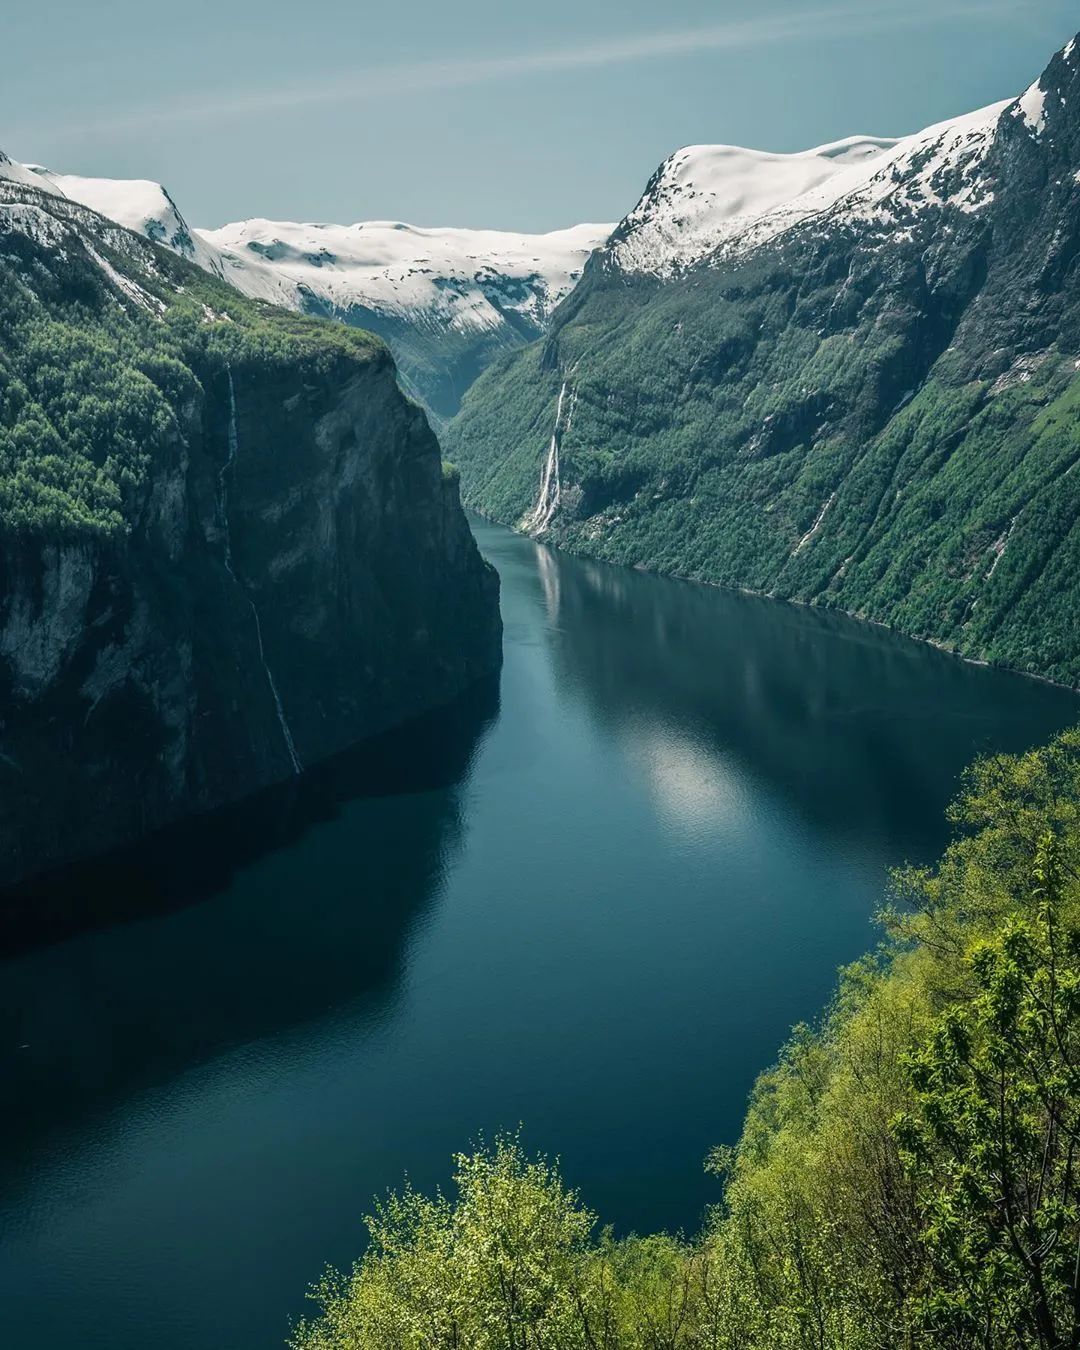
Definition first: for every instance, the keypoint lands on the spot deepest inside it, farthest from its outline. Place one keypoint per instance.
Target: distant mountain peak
(462, 277)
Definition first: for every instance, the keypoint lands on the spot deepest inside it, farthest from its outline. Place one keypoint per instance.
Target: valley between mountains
(845, 377)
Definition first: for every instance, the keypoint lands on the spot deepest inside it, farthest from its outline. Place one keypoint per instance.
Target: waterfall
(223, 504)
(547, 503)
(815, 527)
(282, 720)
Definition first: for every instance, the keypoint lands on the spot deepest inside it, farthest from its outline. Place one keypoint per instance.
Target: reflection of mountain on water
(266, 917)
(706, 689)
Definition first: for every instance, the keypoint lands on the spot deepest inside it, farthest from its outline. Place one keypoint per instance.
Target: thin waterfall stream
(547, 503)
(223, 487)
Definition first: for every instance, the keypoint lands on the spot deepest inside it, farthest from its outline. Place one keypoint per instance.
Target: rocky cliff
(228, 547)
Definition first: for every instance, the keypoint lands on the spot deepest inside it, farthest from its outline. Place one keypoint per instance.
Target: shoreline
(785, 600)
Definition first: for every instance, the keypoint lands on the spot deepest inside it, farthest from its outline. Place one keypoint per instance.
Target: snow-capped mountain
(136, 203)
(15, 172)
(472, 278)
(715, 202)
(706, 196)
(446, 300)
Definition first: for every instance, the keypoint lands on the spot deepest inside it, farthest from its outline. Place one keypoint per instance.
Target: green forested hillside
(908, 1175)
(876, 414)
(101, 354)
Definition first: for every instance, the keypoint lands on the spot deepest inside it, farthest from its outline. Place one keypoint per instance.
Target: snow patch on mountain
(466, 279)
(934, 167)
(1031, 106)
(26, 208)
(28, 219)
(137, 204)
(13, 172)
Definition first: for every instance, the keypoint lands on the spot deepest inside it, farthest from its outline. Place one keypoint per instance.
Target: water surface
(594, 904)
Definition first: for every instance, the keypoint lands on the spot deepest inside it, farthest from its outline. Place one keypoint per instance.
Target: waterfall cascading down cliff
(234, 445)
(547, 502)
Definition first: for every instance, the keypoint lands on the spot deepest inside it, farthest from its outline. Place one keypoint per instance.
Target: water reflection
(862, 732)
(273, 920)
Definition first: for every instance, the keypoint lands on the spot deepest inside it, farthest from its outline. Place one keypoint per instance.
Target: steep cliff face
(854, 385)
(228, 547)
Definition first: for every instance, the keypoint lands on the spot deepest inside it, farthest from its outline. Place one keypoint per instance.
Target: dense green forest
(908, 1174)
(100, 353)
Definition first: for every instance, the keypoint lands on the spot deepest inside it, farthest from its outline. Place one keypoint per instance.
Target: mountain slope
(139, 205)
(446, 301)
(862, 395)
(228, 548)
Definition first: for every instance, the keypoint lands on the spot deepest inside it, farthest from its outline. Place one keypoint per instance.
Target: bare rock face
(281, 567)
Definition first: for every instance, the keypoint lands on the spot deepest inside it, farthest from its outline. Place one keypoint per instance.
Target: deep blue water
(593, 903)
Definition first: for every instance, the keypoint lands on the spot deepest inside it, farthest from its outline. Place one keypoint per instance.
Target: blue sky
(482, 112)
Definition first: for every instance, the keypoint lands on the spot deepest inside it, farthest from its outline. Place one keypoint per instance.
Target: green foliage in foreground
(909, 1174)
(992, 1138)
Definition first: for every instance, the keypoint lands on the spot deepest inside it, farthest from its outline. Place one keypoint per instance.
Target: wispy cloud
(366, 83)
